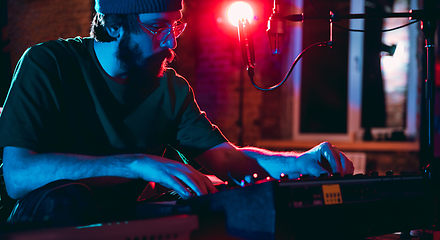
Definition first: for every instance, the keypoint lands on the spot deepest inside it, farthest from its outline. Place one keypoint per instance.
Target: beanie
(136, 6)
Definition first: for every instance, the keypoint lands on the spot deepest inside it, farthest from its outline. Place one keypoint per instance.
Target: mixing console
(349, 207)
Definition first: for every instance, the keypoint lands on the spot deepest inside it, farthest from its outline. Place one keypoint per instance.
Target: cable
(385, 30)
(319, 44)
(313, 6)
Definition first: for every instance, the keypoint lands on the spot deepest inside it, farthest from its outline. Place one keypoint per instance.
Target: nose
(170, 41)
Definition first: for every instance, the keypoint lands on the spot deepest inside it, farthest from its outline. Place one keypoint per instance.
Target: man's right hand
(182, 178)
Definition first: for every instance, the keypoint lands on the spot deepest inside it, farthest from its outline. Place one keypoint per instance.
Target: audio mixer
(350, 207)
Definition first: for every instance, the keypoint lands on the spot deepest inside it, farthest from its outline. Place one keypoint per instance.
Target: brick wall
(31, 22)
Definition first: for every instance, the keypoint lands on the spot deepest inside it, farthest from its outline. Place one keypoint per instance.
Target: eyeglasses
(162, 33)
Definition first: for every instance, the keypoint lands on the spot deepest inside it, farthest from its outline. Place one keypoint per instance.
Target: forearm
(324, 158)
(227, 160)
(275, 163)
(28, 170)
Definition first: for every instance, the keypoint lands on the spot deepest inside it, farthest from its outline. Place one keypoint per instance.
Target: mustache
(166, 55)
(163, 59)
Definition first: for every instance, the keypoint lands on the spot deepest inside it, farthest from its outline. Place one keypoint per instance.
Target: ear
(115, 32)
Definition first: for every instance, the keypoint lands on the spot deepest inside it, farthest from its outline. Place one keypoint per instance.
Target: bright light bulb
(238, 11)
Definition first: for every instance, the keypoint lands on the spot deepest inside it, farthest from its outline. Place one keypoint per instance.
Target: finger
(316, 170)
(192, 178)
(347, 165)
(310, 163)
(211, 188)
(175, 184)
(194, 182)
(341, 161)
(204, 183)
(331, 153)
(343, 164)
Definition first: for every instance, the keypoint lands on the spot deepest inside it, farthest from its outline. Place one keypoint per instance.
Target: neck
(106, 54)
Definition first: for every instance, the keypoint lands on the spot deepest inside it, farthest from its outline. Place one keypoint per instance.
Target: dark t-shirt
(62, 101)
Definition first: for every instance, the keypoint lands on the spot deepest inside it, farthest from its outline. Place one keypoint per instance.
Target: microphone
(276, 29)
(247, 45)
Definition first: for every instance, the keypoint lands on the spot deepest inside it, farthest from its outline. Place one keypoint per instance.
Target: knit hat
(136, 6)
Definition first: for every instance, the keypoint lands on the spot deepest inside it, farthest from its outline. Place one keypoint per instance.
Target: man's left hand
(324, 158)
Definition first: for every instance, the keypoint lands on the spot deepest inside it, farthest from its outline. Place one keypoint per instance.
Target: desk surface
(385, 146)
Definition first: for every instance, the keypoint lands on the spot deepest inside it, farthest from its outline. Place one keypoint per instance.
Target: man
(87, 121)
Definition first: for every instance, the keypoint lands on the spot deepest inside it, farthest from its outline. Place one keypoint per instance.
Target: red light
(282, 175)
(255, 175)
(268, 178)
(238, 11)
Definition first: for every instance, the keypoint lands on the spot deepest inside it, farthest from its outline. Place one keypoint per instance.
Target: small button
(284, 176)
(336, 175)
(304, 176)
(323, 175)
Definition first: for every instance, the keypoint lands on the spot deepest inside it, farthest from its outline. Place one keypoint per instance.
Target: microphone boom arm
(429, 19)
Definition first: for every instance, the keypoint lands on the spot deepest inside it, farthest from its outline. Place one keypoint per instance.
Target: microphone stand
(428, 19)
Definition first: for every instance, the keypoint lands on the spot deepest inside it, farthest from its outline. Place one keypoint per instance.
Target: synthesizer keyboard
(352, 207)
(178, 227)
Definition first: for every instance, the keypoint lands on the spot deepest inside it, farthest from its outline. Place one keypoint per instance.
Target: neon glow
(255, 175)
(90, 226)
(238, 11)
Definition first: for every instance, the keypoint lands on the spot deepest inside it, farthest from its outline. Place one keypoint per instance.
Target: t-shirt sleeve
(195, 133)
(29, 117)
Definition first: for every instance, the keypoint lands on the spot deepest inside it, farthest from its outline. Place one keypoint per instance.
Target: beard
(140, 70)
